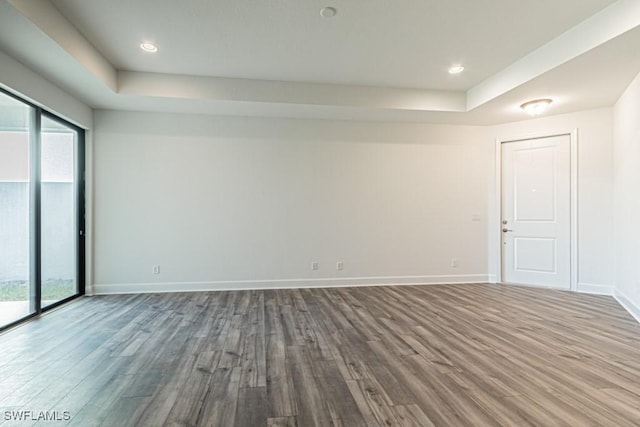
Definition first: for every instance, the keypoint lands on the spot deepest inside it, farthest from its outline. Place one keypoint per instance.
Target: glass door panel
(17, 287)
(59, 222)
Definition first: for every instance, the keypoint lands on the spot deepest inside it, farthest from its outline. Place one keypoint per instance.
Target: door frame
(496, 224)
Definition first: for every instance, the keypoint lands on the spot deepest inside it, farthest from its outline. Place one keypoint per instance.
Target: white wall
(20, 80)
(239, 202)
(14, 156)
(595, 198)
(627, 197)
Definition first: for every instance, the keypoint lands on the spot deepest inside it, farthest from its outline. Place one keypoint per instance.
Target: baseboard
(628, 304)
(137, 288)
(590, 288)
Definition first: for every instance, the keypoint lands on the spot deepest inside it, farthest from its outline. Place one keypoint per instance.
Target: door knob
(504, 230)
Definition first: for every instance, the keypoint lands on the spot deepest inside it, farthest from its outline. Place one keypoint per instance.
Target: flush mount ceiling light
(328, 12)
(536, 107)
(456, 69)
(148, 47)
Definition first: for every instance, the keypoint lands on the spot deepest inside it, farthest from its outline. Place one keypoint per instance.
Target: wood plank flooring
(455, 355)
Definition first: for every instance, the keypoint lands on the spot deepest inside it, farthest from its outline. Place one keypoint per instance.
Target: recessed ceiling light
(148, 47)
(456, 69)
(537, 106)
(328, 12)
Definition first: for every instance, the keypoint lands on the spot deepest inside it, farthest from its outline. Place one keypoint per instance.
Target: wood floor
(457, 355)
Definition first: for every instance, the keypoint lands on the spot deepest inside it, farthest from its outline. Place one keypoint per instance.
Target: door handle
(505, 230)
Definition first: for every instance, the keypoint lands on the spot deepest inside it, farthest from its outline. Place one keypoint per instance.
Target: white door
(536, 211)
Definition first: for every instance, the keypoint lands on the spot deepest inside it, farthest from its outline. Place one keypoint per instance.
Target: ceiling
(374, 60)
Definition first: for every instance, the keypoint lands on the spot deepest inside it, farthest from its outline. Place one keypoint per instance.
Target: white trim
(596, 289)
(88, 213)
(496, 231)
(573, 141)
(230, 285)
(573, 197)
(528, 285)
(628, 304)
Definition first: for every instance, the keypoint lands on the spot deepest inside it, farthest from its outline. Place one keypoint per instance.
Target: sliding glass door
(41, 210)
(58, 216)
(17, 290)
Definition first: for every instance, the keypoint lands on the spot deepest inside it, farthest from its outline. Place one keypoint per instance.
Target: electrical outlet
(314, 265)
(339, 265)
(156, 269)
